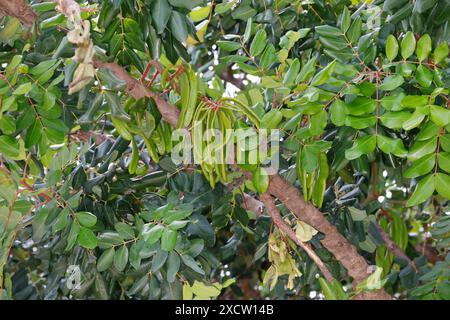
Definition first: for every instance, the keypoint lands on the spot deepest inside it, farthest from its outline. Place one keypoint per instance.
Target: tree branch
(334, 241)
(269, 203)
(18, 9)
(392, 246)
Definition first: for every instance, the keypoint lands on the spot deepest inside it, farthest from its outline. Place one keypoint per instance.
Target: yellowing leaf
(304, 232)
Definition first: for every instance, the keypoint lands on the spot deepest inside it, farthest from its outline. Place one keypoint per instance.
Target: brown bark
(269, 203)
(137, 90)
(334, 241)
(18, 9)
(392, 246)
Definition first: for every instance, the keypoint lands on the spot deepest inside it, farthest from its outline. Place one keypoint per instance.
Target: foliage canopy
(92, 206)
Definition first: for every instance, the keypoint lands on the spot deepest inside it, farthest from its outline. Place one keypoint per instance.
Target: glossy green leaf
(121, 258)
(86, 219)
(259, 43)
(86, 238)
(323, 76)
(408, 45)
(391, 47)
(390, 145)
(439, 115)
(392, 82)
(161, 12)
(362, 145)
(422, 148)
(168, 239)
(441, 52)
(424, 190)
(261, 180)
(421, 166)
(105, 261)
(423, 47)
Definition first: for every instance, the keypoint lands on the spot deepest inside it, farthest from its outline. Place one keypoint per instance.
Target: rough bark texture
(19, 9)
(137, 90)
(269, 203)
(334, 241)
(392, 246)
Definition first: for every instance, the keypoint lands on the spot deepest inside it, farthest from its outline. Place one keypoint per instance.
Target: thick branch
(19, 9)
(334, 241)
(269, 203)
(392, 246)
(137, 90)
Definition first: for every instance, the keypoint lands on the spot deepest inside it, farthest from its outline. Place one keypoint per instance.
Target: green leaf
(271, 119)
(292, 72)
(261, 180)
(392, 82)
(360, 106)
(390, 145)
(121, 258)
(395, 120)
(72, 237)
(125, 230)
(191, 263)
(345, 19)
(362, 145)
(176, 225)
(422, 148)
(169, 239)
(421, 166)
(228, 45)
(39, 220)
(307, 71)
(337, 112)
(86, 219)
(423, 192)
(178, 26)
(259, 43)
(248, 30)
(423, 47)
(173, 265)
(105, 261)
(391, 47)
(34, 133)
(160, 14)
(243, 12)
(200, 14)
(408, 45)
(441, 52)
(86, 238)
(153, 234)
(439, 115)
(291, 37)
(159, 259)
(324, 74)
(416, 118)
(444, 161)
(22, 89)
(442, 185)
(424, 76)
(360, 122)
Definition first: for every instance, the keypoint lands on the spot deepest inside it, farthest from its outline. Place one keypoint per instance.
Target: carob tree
(93, 205)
